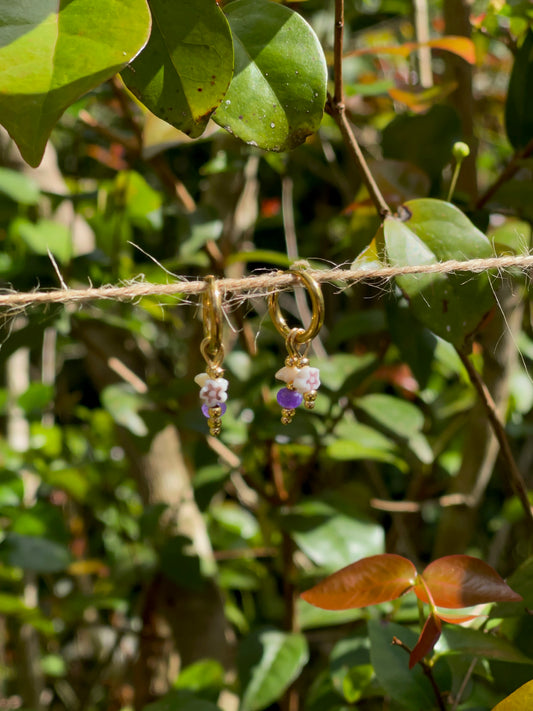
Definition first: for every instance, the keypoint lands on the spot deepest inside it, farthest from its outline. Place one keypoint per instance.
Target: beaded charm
(302, 380)
(213, 387)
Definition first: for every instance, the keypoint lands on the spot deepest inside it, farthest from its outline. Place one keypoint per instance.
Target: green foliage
(53, 53)
(127, 538)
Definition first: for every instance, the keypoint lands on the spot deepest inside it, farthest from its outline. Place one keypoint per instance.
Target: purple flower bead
(205, 409)
(289, 399)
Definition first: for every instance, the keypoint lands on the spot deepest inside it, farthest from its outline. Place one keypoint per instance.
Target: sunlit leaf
(54, 51)
(277, 96)
(367, 582)
(451, 305)
(461, 580)
(269, 661)
(185, 69)
(519, 700)
(427, 640)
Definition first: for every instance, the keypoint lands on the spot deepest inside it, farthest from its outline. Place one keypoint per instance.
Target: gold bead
(310, 399)
(215, 412)
(286, 416)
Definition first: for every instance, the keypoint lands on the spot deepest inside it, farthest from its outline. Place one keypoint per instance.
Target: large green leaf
(451, 305)
(277, 95)
(185, 69)
(409, 687)
(519, 104)
(54, 51)
(331, 538)
(269, 661)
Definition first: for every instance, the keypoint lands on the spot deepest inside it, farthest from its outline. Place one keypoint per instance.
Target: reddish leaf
(427, 640)
(461, 581)
(368, 581)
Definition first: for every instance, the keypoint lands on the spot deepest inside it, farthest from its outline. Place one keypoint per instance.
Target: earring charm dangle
(213, 386)
(301, 380)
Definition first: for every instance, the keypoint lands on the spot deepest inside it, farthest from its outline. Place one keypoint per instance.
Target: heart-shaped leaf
(185, 69)
(277, 95)
(451, 305)
(54, 51)
(369, 581)
(461, 581)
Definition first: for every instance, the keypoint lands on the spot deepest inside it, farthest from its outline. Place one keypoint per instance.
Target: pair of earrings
(301, 380)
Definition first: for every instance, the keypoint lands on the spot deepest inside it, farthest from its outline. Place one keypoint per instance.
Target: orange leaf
(456, 619)
(369, 581)
(427, 640)
(462, 46)
(461, 581)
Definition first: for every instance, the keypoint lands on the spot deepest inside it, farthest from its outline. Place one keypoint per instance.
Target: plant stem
(428, 671)
(337, 110)
(455, 175)
(516, 479)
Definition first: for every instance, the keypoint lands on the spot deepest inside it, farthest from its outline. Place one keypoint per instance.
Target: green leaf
(45, 235)
(451, 305)
(269, 661)
(277, 96)
(205, 677)
(351, 671)
(123, 404)
(461, 640)
(330, 538)
(36, 554)
(519, 104)
(185, 69)
(54, 51)
(409, 687)
(36, 397)
(355, 441)
(18, 187)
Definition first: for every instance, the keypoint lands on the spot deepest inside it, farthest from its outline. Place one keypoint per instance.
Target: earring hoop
(213, 387)
(302, 381)
(317, 309)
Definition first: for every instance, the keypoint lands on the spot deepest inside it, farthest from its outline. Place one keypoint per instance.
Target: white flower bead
(307, 379)
(213, 391)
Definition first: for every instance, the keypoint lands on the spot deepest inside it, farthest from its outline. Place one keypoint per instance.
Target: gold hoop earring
(302, 381)
(213, 387)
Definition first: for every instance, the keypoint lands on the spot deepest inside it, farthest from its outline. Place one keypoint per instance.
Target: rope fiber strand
(254, 286)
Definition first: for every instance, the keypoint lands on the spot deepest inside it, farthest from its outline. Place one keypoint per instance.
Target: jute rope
(253, 286)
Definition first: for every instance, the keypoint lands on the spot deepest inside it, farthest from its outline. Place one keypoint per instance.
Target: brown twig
(337, 110)
(428, 671)
(507, 173)
(516, 479)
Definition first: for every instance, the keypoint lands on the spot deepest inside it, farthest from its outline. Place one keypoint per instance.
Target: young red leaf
(366, 582)
(461, 581)
(427, 640)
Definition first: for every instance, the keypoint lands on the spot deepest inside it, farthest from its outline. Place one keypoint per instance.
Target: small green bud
(460, 151)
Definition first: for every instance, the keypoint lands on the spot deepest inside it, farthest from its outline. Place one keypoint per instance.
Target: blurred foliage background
(143, 562)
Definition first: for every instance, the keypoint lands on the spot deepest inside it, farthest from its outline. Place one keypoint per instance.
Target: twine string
(257, 285)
